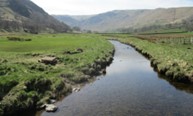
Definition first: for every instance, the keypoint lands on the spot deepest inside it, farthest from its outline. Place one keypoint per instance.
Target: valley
(120, 62)
(132, 21)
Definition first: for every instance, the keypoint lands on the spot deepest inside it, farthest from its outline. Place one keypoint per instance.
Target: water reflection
(130, 87)
(179, 86)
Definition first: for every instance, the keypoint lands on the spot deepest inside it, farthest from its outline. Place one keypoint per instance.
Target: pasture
(26, 81)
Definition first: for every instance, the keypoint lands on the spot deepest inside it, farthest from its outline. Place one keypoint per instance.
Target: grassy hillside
(24, 15)
(26, 82)
(120, 19)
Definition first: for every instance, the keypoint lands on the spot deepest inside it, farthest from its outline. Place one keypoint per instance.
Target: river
(130, 88)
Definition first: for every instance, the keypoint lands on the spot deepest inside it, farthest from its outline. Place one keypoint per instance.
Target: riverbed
(130, 88)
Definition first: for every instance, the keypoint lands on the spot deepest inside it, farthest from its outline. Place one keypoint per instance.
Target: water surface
(130, 88)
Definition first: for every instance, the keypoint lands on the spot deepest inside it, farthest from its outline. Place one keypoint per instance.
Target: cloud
(82, 7)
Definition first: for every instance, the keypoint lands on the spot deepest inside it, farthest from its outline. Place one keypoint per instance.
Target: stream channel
(130, 88)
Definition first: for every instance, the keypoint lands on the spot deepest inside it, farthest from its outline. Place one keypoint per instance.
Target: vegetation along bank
(170, 54)
(34, 69)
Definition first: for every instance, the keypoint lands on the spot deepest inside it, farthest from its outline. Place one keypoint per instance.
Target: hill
(24, 15)
(121, 19)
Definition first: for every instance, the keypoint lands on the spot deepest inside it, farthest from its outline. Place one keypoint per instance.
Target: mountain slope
(114, 20)
(68, 20)
(24, 15)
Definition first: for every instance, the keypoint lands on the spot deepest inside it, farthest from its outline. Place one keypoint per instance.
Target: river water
(130, 88)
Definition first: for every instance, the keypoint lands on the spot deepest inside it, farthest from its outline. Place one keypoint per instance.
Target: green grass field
(25, 82)
(172, 57)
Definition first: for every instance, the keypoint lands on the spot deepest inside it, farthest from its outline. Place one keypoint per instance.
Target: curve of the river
(130, 88)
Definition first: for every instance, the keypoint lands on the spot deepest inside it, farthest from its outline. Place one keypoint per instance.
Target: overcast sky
(85, 7)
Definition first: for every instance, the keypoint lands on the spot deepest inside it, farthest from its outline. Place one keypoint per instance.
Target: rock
(51, 108)
(104, 71)
(52, 101)
(49, 60)
(78, 50)
(42, 106)
(76, 89)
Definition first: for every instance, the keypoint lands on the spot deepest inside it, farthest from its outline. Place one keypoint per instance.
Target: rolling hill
(118, 19)
(24, 15)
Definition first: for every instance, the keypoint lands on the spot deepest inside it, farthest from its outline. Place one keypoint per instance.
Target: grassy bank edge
(174, 70)
(38, 85)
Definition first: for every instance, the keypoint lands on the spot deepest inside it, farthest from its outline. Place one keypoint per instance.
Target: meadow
(26, 82)
(170, 54)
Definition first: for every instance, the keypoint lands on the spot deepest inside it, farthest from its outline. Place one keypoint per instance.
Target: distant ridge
(24, 15)
(114, 20)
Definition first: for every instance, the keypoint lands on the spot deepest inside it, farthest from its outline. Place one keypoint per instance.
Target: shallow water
(130, 87)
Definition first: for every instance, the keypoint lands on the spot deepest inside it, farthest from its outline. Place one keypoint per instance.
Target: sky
(88, 7)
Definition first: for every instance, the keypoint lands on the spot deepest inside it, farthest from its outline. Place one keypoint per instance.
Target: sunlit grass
(21, 71)
(171, 58)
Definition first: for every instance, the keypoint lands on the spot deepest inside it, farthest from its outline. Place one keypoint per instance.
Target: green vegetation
(26, 81)
(170, 54)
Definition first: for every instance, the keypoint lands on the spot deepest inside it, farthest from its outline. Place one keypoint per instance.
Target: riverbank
(35, 69)
(130, 87)
(171, 58)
